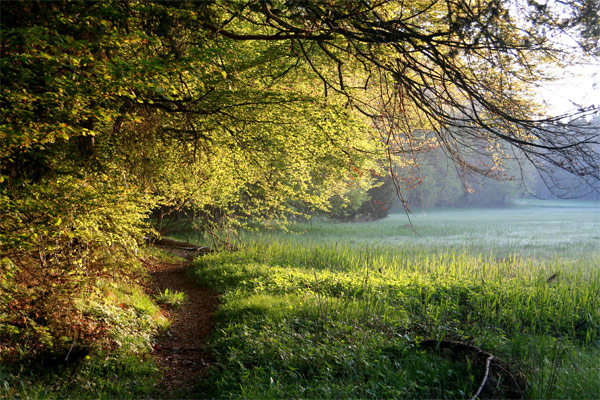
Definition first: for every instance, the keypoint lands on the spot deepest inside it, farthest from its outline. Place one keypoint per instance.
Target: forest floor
(181, 352)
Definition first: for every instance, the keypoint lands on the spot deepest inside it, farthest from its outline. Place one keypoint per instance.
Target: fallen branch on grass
(514, 388)
(488, 362)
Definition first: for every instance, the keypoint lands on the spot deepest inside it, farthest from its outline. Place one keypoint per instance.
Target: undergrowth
(117, 364)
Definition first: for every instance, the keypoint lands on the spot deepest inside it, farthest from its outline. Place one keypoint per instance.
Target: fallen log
(176, 244)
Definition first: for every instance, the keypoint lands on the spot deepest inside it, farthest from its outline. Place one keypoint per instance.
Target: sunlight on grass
(171, 298)
(338, 311)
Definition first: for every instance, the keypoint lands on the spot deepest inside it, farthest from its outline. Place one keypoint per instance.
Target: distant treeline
(436, 180)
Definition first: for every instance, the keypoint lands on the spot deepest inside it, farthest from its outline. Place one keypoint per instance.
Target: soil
(181, 352)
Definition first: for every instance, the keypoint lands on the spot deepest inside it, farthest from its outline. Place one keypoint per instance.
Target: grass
(332, 310)
(171, 298)
(339, 311)
(532, 228)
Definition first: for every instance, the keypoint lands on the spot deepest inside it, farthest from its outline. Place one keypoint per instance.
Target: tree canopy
(238, 110)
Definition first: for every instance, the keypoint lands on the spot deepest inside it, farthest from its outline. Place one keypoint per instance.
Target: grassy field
(351, 310)
(369, 310)
(543, 229)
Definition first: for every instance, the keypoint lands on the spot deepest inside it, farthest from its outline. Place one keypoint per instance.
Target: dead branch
(480, 354)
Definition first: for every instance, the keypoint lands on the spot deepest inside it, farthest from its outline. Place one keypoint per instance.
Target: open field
(543, 229)
(367, 310)
(350, 310)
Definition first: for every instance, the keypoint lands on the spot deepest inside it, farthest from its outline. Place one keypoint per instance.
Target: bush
(57, 239)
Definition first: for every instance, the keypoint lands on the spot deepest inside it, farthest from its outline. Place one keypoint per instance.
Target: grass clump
(170, 298)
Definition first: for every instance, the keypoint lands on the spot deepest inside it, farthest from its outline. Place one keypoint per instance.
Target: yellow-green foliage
(89, 148)
(58, 238)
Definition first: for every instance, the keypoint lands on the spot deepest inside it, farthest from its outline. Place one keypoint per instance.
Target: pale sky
(580, 84)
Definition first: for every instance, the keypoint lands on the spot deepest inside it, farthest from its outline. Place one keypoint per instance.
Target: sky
(579, 84)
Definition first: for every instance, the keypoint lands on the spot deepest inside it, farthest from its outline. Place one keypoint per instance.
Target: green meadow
(533, 228)
(389, 308)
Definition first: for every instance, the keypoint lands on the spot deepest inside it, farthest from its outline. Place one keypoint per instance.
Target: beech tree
(113, 110)
(461, 71)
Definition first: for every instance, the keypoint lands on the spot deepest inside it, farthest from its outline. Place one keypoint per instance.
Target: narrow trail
(181, 352)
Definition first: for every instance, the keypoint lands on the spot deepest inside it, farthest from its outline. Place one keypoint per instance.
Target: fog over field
(325, 299)
(540, 228)
(530, 228)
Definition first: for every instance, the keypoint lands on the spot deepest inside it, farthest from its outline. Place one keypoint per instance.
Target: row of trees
(245, 110)
(434, 180)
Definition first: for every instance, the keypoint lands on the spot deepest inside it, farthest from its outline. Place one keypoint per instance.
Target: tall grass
(513, 293)
(316, 315)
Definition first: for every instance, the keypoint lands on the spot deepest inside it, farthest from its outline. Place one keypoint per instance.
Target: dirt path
(181, 352)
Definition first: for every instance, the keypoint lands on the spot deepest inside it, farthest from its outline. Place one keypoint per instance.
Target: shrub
(57, 239)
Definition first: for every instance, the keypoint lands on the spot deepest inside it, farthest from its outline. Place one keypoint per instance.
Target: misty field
(533, 228)
(384, 309)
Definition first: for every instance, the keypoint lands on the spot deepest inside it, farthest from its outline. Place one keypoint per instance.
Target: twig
(485, 377)
(71, 349)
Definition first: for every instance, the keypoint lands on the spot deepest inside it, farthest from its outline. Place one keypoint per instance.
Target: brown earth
(181, 352)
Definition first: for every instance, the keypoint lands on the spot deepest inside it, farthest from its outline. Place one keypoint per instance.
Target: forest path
(181, 352)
